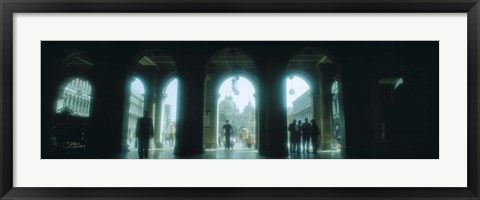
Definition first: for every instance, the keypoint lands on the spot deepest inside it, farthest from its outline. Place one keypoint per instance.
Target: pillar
(190, 61)
(150, 88)
(325, 111)
(316, 112)
(273, 120)
(159, 99)
(107, 134)
(211, 98)
(357, 106)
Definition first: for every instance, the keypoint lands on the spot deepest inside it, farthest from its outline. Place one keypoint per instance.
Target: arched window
(336, 120)
(229, 94)
(169, 114)
(318, 66)
(299, 106)
(237, 105)
(151, 67)
(335, 104)
(75, 98)
(299, 99)
(137, 91)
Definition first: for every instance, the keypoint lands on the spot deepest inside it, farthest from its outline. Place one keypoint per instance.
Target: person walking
(144, 134)
(227, 129)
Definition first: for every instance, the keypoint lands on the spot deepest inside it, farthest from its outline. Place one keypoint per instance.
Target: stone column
(325, 97)
(273, 120)
(150, 92)
(316, 112)
(159, 99)
(190, 120)
(190, 61)
(209, 124)
(355, 89)
(108, 107)
(214, 117)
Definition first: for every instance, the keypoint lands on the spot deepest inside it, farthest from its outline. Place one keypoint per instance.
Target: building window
(299, 99)
(237, 105)
(169, 114)
(137, 95)
(299, 107)
(76, 98)
(335, 106)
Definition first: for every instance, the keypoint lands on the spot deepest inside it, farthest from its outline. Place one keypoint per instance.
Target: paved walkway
(209, 154)
(233, 154)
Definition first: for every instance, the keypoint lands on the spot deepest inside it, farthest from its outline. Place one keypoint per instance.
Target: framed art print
(265, 99)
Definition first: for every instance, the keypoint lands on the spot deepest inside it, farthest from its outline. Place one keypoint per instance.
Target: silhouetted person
(291, 129)
(306, 135)
(314, 133)
(227, 129)
(144, 134)
(298, 136)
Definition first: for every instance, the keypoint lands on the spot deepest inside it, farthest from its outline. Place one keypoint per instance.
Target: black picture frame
(10, 7)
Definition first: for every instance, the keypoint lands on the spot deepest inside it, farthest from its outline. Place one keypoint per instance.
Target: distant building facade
(302, 107)
(135, 112)
(228, 110)
(76, 97)
(335, 104)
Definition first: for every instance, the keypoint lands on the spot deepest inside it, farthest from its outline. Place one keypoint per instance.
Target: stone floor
(219, 154)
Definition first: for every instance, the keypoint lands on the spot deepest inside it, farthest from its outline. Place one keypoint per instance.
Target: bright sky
(138, 86)
(297, 84)
(171, 94)
(171, 99)
(246, 92)
(244, 85)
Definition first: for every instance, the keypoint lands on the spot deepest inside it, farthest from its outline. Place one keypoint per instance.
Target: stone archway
(320, 69)
(239, 108)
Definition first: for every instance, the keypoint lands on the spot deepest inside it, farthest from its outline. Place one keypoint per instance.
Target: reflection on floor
(212, 154)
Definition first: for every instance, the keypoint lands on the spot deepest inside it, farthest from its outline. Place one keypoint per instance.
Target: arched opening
(72, 106)
(300, 112)
(230, 86)
(75, 92)
(385, 109)
(156, 71)
(135, 111)
(72, 114)
(237, 105)
(168, 117)
(336, 120)
(337, 116)
(75, 98)
(319, 69)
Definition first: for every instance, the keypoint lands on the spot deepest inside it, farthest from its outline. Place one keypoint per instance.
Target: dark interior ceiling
(79, 61)
(225, 60)
(308, 60)
(161, 61)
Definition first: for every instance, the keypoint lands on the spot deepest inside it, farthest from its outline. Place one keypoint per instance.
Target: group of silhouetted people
(303, 136)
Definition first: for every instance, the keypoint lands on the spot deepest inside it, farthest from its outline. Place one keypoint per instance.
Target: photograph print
(240, 99)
